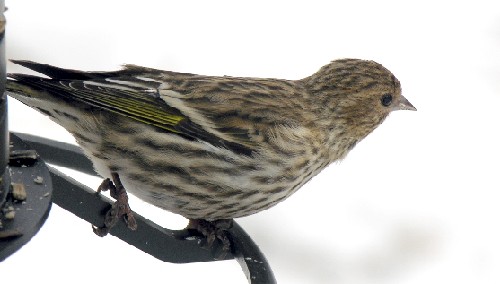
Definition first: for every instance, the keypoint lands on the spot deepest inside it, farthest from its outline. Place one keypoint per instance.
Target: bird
(210, 148)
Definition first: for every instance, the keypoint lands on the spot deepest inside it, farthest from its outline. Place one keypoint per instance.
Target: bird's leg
(213, 230)
(118, 209)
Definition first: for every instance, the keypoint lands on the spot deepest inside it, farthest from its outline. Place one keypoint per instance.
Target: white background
(415, 202)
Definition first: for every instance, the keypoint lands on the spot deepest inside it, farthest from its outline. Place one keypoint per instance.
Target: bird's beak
(404, 104)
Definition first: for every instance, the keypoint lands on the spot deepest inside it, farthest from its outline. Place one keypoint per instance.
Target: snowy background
(418, 201)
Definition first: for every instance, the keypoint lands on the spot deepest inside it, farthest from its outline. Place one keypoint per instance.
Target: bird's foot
(119, 209)
(212, 231)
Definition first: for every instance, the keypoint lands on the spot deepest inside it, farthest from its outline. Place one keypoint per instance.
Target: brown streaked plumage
(211, 147)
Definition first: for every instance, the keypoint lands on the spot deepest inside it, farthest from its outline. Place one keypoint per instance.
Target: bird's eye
(386, 100)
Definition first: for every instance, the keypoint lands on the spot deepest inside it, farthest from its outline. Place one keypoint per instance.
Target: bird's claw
(212, 231)
(119, 209)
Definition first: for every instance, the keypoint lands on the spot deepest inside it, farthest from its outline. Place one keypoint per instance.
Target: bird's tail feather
(52, 71)
(32, 91)
(61, 73)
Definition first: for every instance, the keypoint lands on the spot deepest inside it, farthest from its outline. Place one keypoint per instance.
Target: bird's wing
(226, 112)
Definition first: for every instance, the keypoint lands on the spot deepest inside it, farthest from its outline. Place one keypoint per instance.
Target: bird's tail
(33, 90)
(23, 88)
(47, 95)
(60, 73)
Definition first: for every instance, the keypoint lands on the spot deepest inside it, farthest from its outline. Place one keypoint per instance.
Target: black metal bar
(150, 238)
(4, 137)
(250, 258)
(176, 246)
(59, 153)
(4, 142)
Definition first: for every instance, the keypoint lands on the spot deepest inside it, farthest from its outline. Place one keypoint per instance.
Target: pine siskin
(211, 148)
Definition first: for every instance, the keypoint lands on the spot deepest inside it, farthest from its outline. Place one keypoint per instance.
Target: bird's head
(352, 97)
